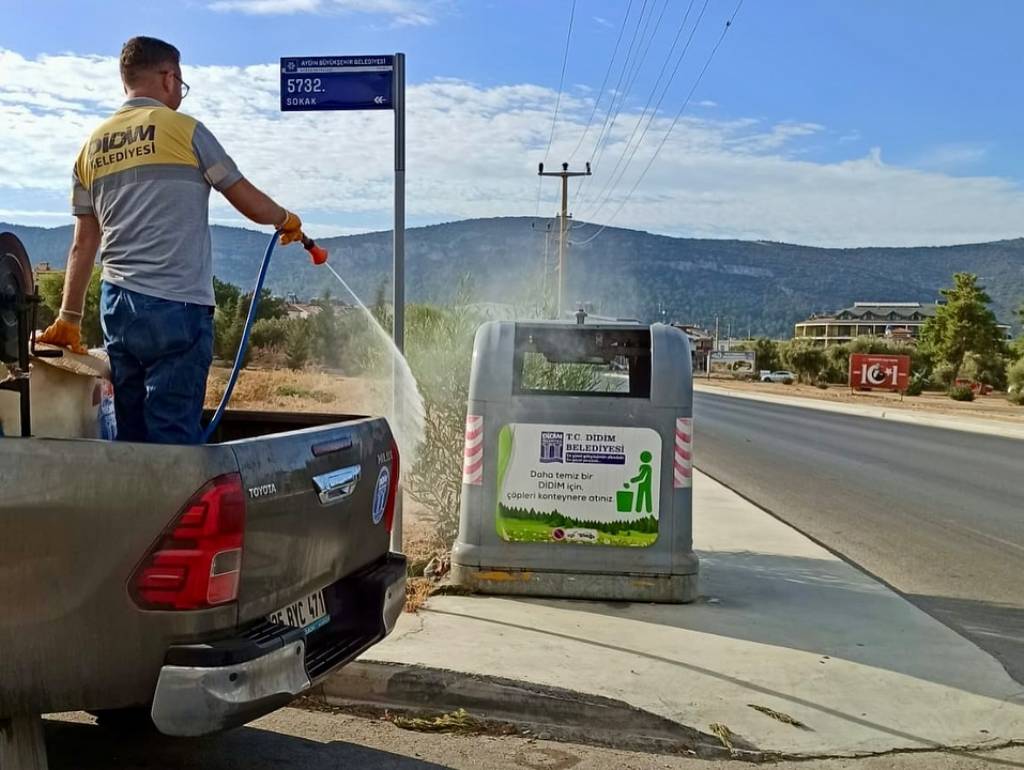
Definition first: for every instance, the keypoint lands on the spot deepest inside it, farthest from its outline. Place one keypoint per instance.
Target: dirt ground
(300, 391)
(993, 407)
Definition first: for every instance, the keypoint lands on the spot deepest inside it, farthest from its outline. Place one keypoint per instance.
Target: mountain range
(758, 287)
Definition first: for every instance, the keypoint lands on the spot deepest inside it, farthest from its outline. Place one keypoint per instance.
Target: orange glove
(64, 334)
(290, 229)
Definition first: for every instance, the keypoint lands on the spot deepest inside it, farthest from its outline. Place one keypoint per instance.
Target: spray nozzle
(316, 253)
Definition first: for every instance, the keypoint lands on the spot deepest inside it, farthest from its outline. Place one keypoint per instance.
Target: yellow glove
(64, 334)
(290, 229)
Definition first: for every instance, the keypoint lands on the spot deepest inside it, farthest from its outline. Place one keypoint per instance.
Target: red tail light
(197, 561)
(389, 511)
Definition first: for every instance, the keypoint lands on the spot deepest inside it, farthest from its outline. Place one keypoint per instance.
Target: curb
(546, 712)
(977, 425)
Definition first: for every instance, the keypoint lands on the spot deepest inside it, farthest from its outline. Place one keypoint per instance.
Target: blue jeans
(160, 354)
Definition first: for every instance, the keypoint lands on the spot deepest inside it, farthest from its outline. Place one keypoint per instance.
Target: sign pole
(398, 333)
(399, 234)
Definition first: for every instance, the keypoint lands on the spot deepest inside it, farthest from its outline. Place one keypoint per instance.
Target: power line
(634, 74)
(628, 71)
(664, 139)
(561, 80)
(618, 85)
(613, 178)
(631, 81)
(604, 82)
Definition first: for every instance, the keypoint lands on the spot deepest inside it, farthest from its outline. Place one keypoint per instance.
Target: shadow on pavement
(996, 628)
(826, 607)
(80, 746)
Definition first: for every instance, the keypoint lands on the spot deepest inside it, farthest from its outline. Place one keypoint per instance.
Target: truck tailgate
(312, 515)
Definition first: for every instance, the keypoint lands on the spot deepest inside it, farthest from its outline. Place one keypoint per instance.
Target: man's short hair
(141, 55)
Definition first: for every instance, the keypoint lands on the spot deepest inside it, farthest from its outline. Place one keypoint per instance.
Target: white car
(787, 378)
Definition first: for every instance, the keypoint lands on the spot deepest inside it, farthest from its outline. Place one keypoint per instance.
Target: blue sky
(895, 122)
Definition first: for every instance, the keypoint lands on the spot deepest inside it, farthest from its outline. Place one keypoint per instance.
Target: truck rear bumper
(205, 688)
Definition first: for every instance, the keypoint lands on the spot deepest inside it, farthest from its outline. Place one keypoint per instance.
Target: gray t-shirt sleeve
(218, 168)
(81, 200)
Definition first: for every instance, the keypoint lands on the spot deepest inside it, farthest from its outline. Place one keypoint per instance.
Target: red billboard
(871, 372)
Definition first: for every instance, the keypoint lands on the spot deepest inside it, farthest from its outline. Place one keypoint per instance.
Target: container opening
(582, 361)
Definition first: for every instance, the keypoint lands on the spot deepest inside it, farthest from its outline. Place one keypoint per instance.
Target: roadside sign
(738, 363)
(337, 83)
(873, 372)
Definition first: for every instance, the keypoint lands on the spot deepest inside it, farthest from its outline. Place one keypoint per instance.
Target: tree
(962, 324)
(805, 359)
(225, 293)
(297, 344)
(1018, 345)
(766, 351)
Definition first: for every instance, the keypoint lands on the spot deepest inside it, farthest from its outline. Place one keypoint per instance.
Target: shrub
(298, 345)
(989, 369)
(942, 375)
(1015, 376)
(805, 359)
(1016, 398)
(270, 332)
(961, 393)
(440, 352)
(916, 386)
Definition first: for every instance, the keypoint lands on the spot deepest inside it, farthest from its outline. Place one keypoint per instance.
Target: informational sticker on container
(337, 83)
(578, 484)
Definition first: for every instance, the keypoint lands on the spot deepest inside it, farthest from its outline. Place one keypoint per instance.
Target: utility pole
(563, 225)
(545, 297)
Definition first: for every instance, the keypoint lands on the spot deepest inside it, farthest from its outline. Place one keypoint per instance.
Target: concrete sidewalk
(792, 650)
(991, 427)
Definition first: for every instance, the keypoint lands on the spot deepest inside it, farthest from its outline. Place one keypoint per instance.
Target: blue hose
(244, 344)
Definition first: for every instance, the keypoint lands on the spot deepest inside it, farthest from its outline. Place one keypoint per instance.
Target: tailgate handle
(338, 484)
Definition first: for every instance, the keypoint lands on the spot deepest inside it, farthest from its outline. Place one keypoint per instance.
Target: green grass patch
(294, 391)
(529, 531)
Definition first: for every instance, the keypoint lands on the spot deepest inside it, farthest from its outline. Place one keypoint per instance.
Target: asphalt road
(296, 739)
(937, 514)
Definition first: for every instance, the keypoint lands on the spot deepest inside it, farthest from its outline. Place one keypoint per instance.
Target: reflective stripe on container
(682, 462)
(473, 457)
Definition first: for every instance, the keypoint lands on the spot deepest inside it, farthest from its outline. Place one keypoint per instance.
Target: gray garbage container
(577, 478)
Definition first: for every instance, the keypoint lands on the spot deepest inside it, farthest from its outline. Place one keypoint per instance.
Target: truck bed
(80, 518)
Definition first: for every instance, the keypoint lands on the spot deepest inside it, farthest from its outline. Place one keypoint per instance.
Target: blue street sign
(337, 83)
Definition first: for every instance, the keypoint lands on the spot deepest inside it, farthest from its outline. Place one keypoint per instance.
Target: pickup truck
(208, 585)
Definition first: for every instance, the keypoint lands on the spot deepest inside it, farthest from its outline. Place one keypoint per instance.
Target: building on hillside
(892, 320)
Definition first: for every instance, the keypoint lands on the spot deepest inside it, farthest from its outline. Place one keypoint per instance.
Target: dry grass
(299, 391)
(417, 591)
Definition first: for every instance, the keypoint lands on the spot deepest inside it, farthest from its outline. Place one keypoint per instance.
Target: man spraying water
(140, 194)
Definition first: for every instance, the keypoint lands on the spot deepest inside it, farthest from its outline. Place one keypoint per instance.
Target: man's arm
(223, 175)
(66, 331)
(81, 259)
(254, 204)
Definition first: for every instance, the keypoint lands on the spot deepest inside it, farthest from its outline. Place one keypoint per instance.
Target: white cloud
(600, 20)
(410, 12)
(953, 156)
(473, 152)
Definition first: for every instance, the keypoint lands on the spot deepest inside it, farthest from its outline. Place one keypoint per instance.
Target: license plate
(309, 613)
